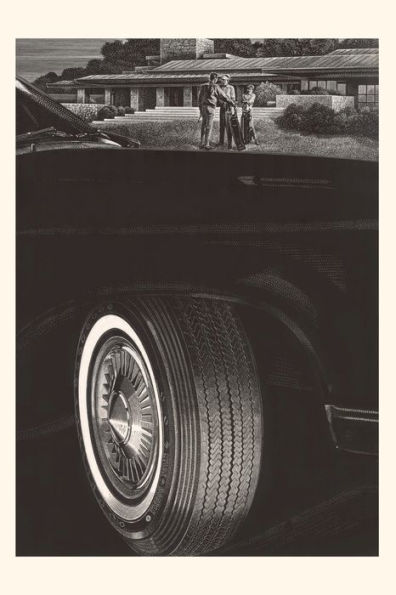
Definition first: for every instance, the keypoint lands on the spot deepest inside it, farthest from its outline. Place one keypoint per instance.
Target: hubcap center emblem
(119, 418)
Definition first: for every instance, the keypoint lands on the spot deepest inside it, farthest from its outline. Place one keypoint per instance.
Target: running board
(353, 430)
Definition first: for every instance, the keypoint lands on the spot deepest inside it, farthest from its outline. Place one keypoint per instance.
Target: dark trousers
(207, 115)
(225, 124)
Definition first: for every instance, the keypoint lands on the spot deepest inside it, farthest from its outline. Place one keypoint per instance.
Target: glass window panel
(362, 98)
(322, 84)
(370, 89)
(377, 89)
(341, 87)
(304, 85)
(362, 89)
(313, 84)
(332, 85)
(370, 98)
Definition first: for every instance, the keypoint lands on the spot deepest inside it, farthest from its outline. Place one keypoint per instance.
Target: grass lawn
(185, 135)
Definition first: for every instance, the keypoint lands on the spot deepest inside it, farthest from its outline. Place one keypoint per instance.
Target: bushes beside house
(108, 112)
(86, 111)
(320, 119)
(266, 92)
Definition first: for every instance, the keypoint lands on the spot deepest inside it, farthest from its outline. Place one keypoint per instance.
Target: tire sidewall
(146, 526)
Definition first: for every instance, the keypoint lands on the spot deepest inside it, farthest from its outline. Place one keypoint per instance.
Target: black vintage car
(214, 316)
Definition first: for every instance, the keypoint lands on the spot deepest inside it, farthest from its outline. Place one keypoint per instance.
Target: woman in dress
(247, 126)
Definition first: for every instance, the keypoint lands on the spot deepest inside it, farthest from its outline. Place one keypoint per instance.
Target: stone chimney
(185, 49)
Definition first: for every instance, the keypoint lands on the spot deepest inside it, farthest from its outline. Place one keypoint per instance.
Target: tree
(50, 77)
(94, 66)
(69, 74)
(358, 43)
(307, 47)
(238, 47)
(125, 55)
(294, 47)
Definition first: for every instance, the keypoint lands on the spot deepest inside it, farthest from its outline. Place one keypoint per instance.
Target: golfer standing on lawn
(225, 111)
(209, 95)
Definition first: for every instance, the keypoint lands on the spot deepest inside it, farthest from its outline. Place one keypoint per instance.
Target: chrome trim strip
(353, 430)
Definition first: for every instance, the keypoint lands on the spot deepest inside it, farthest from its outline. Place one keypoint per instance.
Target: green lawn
(185, 135)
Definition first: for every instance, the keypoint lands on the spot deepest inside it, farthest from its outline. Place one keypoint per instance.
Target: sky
(35, 57)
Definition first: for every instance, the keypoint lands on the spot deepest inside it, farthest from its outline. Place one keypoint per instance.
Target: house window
(288, 88)
(368, 96)
(328, 85)
(94, 95)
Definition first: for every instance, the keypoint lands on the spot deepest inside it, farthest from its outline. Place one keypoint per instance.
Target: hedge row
(108, 112)
(320, 119)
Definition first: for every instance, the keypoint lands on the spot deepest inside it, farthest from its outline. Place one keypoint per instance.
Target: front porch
(142, 98)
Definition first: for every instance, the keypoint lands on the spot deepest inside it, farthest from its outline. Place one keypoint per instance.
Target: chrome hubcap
(120, 417)
(125, 417)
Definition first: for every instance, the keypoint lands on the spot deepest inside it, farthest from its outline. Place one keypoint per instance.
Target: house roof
(332, 61)
(353, 60)
(165, 77)
(349, 51)
(62, 83)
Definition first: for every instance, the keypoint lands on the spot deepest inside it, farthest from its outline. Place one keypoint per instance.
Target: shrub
(340, 122)
(129, 110)
(107, 112)
(86, 111)
(363, 124)
(320, 119)
(292, 118)
(266, 92)
(120, 110)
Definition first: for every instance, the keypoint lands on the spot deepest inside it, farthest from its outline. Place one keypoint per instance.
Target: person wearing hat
(247, 125)
(210, 95)
(225, 110)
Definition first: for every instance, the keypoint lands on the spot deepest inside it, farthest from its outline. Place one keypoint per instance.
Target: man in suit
(210, 95)
(225, 110)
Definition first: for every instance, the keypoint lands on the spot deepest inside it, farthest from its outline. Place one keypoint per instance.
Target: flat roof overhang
(175, 80)
(327, 72)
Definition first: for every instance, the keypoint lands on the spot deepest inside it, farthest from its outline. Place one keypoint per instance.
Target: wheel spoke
(126, 425)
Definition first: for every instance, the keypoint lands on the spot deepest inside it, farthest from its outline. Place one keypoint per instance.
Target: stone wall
(64, 97)
(184, 48)
(335, 102)
(86, 111)
(341, 102)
